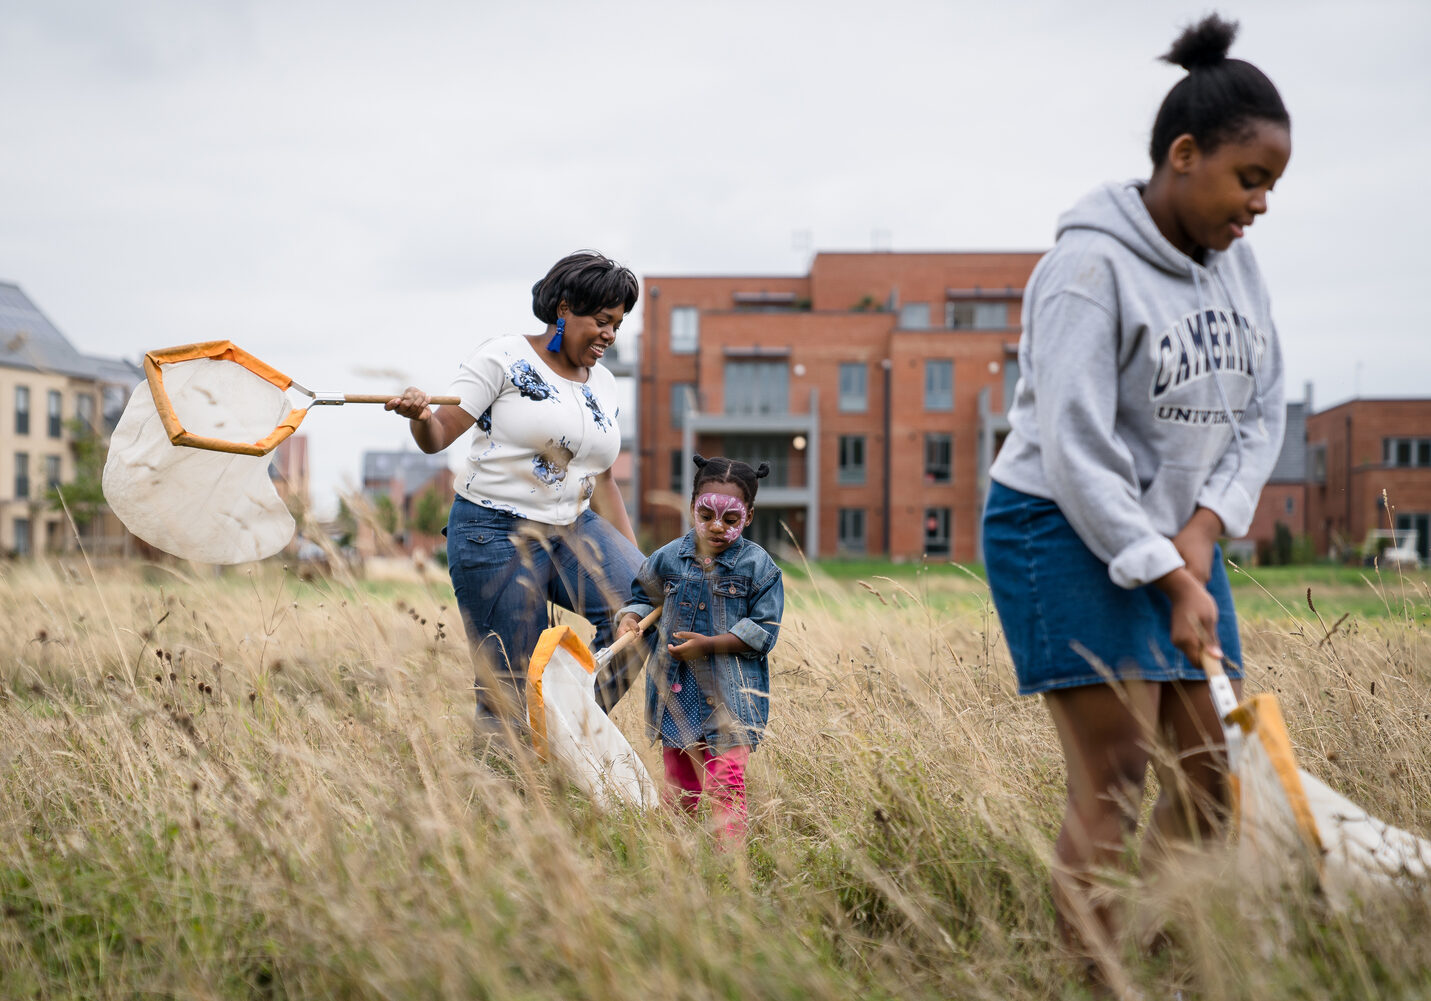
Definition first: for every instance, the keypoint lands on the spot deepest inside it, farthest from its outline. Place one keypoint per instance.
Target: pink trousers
(692, 771)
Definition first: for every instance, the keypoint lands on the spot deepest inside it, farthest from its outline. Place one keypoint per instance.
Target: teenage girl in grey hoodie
(1147, 418)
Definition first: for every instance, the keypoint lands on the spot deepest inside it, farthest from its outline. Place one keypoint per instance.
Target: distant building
(875, 386)
(1363, 455)
(50, 389)
(402, 478)
(289, 472)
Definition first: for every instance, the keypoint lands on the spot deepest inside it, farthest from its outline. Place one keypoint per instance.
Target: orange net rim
(1260, 718)
(154, 362)
(547, 644)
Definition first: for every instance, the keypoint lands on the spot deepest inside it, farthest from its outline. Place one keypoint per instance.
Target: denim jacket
(742, 593)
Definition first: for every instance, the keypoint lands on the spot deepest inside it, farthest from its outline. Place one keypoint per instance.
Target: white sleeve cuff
(1144, 562)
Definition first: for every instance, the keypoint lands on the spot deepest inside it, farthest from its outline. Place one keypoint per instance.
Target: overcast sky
(360, 192)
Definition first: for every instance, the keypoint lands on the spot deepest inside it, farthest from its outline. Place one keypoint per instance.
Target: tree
(428, 514)
(83, 495)
(345, 524)
(386, 514)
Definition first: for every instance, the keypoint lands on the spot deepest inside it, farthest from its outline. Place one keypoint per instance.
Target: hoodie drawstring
(1232, 421)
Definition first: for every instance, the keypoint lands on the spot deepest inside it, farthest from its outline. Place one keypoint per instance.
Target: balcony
(794, 443)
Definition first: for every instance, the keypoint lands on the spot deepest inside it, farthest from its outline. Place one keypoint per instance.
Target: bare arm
(433, 430)
(1195, 542)
(694, 646)
(606, 501)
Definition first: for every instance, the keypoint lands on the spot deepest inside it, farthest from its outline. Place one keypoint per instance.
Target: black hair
(1219, 99)
(723, 470)
(589, 282)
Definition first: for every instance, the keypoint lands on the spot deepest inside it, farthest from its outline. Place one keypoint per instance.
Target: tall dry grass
(251, 786)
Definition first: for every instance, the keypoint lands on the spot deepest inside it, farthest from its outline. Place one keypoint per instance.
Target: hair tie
(700, 461)
(762, 471)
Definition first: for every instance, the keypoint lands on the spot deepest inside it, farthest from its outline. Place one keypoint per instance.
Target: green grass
(317, 824)
(1279, 592)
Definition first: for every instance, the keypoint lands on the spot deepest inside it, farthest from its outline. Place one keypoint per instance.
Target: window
(936, 531)
(685, 330)
(56, 405)
(52, 471)
(939, 384)
(1317, 463)
(1289, 505)
(678, 472)
(755, 449)
(851, 537)
(852, 459)
(22, 536)
(757, 387)
(22, 409)
(1412, 530)
(1406, 452)
(22, 475)
(681, 392)
(84, 410)
(854, 387)
(967, 315)
(938, 457)
(914, 316)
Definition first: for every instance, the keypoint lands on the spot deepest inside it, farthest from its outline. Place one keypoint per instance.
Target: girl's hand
(412, 404)
(693, 646)
(629, 623)
(1195, 541)
(1194, 615)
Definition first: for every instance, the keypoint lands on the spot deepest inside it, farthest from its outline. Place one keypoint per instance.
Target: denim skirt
(1064, 618)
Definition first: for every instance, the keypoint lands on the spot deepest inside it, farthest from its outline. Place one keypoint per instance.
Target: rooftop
(28, 340)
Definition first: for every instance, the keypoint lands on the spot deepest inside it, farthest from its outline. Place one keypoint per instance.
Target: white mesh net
(211, 507)
(1359, 854)
(579, 737)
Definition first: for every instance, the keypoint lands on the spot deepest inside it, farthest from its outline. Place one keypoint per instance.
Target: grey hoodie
(1149, 385)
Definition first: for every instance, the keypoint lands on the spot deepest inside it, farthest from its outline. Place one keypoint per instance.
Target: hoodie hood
(1117, 210)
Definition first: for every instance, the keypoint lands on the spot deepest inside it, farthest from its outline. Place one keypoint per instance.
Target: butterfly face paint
(720, 518)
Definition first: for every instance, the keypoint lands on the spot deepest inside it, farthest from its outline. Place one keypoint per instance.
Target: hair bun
(700, 461)
(1202, 45)
(762, 471)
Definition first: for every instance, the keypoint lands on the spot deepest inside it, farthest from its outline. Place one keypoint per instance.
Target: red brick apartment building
(1355, 451)
(875, 386)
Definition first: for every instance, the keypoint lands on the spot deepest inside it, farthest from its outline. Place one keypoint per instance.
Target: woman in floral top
(538, 516)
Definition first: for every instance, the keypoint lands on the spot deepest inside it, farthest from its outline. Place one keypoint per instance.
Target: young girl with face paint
(708, 682)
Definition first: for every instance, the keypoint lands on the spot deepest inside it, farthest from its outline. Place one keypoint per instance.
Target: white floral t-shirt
(541, 439)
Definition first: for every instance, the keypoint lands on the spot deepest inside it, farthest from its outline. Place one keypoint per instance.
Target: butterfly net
(569, 728)
(188, 465)
(1287, 817)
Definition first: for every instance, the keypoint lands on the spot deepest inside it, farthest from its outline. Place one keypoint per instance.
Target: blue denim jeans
(505, 569)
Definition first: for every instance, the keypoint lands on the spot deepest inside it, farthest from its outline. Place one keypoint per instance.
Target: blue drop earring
(554, 345)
